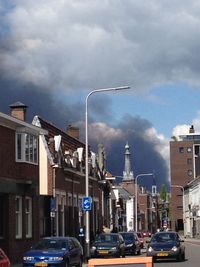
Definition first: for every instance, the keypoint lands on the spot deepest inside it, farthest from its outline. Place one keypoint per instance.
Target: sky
(53, 53)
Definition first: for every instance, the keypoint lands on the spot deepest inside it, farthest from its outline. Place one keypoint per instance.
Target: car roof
(165, 232)
(109, 234)
(58, 237)
(129, 233)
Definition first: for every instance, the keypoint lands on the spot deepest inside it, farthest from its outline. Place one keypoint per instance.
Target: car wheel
(67, 263)
(139, 252)
(179, 257)
(183, 256)
(80, 263)
(154, 259)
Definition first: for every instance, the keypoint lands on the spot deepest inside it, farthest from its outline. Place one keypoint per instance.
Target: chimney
(18, 110)
(73, 131)
(191, 129)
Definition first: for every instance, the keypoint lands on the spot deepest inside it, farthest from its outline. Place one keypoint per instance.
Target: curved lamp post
(87, 232)
(136, 193)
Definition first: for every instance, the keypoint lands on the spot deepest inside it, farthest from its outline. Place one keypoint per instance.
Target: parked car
(132, 243)
(54, 251)
(4, 260)
(166, 245)
(141, 238)
(108, 245)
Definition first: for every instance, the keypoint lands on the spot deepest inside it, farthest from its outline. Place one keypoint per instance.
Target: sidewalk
(192, 240)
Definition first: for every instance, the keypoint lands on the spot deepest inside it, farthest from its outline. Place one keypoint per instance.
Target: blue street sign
(87, 203)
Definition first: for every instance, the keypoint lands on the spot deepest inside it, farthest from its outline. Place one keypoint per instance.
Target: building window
(190, 172)
(189, 149)
(181, 149)
(189, 161)
(26, 148)
(18, 215)
(28, 216)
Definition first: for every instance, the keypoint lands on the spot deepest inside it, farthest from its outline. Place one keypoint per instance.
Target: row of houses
(42, 182)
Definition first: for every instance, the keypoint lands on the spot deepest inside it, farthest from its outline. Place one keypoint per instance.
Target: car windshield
(51, 244)
(165, 237)
(128, 236)
(107, 238)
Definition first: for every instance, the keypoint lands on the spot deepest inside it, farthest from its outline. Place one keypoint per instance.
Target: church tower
(127, 173)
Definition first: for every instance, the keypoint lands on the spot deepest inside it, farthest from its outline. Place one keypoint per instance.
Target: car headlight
(93, 248)
(150, 249)
(28, 258)
(114, 248)
(174, 248)
(55, 258)
(129, 245)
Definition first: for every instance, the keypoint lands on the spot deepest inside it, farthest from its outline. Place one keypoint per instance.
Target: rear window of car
(107, 238)
(128, 236)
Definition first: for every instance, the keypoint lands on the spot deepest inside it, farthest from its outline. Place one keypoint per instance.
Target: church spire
(127, 173)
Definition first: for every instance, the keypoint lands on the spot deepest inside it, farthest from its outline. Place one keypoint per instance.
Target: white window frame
(28, 216)
(18, 216)
(26, 147)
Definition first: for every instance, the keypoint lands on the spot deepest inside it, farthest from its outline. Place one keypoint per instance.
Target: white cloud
(183, 129)
(101, 131)
(161, 143)
(180, 130)
(196, 122)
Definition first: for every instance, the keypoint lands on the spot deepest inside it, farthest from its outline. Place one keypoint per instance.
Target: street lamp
(87, 233)
(183, 201)
(136, 178)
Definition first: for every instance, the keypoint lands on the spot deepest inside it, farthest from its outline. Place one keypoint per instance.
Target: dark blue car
(167, 244)
(54, 251)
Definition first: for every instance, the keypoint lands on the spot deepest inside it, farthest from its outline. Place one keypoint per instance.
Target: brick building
(62, 182)
(42, 182)
(19, 182)
(185, 167)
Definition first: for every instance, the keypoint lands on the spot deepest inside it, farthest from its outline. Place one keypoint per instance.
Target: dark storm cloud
(145, 156)
(40, 102)
(49, 48)
(73, 45)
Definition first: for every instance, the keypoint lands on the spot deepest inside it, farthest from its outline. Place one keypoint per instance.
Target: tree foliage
(163, 193)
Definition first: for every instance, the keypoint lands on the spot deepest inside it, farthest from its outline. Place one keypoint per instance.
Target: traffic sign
(87, 203)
